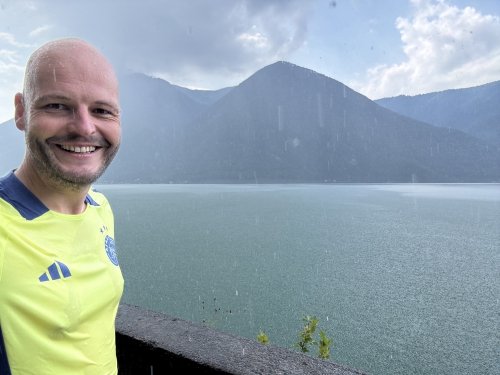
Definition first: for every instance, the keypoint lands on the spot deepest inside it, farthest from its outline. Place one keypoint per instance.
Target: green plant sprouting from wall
(263, 338)
(306, 338)
(306, 335)
(324, 345)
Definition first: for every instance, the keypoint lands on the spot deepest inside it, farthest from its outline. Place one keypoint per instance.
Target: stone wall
(152, 343)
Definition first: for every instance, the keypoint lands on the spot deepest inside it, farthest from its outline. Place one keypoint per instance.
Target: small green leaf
(263, 338)
(324, 345)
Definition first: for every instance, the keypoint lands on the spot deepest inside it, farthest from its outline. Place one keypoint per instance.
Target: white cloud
(11, 73)
(12, 59)
(7, 57)
(40, 30)
(445, 47)
(253, 40)
(11, 40)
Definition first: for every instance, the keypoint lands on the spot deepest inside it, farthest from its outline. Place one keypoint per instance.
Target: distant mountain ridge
(474, 110)
(283, 124)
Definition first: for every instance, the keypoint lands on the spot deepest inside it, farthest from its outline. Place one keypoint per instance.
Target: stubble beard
(46, 164)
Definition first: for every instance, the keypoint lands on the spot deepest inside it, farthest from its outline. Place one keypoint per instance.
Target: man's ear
(19, 112)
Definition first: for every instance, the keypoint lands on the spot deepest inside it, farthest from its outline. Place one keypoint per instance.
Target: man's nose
(83, 123)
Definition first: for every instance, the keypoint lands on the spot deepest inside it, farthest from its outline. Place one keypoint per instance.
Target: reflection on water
(485, 192)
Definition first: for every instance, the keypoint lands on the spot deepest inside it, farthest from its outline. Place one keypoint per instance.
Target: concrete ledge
(153, 343)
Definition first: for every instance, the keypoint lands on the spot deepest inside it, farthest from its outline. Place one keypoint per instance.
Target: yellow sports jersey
(60, 286)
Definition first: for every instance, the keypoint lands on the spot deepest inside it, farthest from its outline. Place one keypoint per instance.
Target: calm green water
(405, 278)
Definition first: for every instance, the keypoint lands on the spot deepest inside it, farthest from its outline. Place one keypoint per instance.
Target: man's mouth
(78, 149)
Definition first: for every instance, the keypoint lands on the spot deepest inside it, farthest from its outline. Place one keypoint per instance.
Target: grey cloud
(214, 42)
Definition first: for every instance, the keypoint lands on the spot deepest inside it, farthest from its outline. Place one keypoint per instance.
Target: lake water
(404, 278)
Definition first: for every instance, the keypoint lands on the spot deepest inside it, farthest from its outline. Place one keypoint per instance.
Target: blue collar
(13, 191)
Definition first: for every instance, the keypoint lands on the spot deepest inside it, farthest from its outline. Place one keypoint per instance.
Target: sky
(379, 48)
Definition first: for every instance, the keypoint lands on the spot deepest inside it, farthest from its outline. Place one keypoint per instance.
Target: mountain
(283, 124)
(205, 97)
(153, 112)
(473, 110)
(286, 123)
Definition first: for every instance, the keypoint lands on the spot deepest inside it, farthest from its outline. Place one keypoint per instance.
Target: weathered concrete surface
(152, 343)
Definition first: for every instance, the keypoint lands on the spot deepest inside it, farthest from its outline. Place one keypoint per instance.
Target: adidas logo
(55, 270)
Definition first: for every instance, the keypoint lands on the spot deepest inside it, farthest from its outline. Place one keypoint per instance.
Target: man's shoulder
(97, 198)
(17, 198)
(6, 209)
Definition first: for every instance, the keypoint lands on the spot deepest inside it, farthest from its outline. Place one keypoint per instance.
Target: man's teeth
(78, 149)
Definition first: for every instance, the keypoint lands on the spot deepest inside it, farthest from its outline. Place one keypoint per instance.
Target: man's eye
(102, 112)
(56, 107)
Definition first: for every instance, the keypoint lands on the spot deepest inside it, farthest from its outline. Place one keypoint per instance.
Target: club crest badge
(109, 245)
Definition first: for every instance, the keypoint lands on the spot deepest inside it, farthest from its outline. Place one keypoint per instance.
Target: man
(60, 283)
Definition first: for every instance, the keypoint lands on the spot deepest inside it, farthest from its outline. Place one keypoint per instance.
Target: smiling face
(70, 114)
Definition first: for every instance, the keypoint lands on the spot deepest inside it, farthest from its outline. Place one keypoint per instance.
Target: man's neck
(55, 197)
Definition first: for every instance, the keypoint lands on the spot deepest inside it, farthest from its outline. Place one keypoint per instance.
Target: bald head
(69, 103)
(52, 58)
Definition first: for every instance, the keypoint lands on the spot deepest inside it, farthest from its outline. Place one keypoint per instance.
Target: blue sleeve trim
(89, 200)
(4, 361)
(18, 196)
